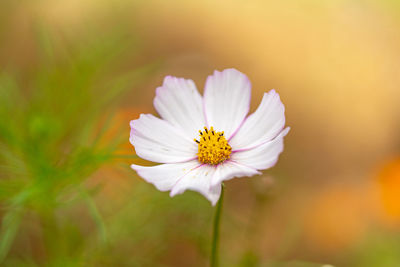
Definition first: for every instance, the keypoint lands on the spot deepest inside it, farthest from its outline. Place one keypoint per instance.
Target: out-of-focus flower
(111, 131)
(389, 186)
(203, 141)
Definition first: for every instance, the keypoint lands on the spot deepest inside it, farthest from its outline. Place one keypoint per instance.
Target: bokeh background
(74, 73)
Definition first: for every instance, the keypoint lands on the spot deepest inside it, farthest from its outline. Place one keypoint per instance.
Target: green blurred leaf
(295, 264)
(96, 216)
(9, 229)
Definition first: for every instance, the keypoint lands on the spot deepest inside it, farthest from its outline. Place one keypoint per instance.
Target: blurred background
(74, 73)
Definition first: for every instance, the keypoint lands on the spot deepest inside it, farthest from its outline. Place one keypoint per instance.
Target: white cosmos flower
(203, 141)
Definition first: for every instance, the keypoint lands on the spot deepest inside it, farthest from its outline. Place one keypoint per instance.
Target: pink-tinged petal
(199, 180)
(263, 156)
(261, 126)
(178, 102)
(165, 176)
(226, 100)
(158, 141)
(230, 169)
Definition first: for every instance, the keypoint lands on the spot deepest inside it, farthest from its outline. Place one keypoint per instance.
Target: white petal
(199, 180)
(157, 140)
(261, 126)
(230, 169)
(178, 102)
(263, 156)
(226, 100)
(165, 176)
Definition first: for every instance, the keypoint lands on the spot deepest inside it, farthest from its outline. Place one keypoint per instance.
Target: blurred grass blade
(96, 216)
(9, 229)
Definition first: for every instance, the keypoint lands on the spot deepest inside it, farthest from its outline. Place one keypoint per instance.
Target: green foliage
(51, 127)
(379, 249)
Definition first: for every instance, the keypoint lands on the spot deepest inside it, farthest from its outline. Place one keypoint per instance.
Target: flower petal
(230, 169)
(157, 140)
(263, 156)
(199, 180)
(261, 126)
(226, 100)
(178, 102)
(165, 176)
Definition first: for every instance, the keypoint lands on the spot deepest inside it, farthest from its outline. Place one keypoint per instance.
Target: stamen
(214, 149)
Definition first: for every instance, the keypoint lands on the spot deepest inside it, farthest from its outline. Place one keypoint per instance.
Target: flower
(203, 141)
(389, 189)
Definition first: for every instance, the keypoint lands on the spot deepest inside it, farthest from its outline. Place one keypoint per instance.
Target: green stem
(215, 238)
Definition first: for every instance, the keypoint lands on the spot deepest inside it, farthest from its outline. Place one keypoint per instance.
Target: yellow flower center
(213, 147)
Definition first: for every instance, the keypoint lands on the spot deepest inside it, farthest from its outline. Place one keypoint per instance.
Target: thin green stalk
(215, 238)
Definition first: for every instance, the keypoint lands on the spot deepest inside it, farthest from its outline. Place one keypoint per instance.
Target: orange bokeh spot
(389, 182)
(116, 130)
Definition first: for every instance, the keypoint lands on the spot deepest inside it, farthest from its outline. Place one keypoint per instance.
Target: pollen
(213, 147)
